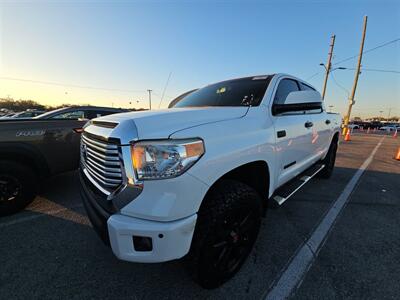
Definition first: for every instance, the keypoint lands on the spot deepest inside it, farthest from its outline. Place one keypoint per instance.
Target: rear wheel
(227, 227)
(329, 161)
(18, 186)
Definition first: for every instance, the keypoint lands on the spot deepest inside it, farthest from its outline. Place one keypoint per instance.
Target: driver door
(293, 135)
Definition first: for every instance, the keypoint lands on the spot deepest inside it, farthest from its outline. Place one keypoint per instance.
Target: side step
(289, 189)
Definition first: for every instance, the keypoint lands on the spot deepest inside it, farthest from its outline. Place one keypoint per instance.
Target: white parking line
(301, 262)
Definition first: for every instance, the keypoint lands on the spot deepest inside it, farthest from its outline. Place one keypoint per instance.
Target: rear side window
(305, 87)
(284, 88)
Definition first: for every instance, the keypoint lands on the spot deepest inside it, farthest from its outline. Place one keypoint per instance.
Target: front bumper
(170, 240)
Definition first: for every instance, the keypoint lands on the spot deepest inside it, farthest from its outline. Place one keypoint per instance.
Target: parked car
(4, 112)
(80, 112)
(34, 149)
(195, 179)
(353, 126)
(390, 128)
(27, 114)
(7, 115)
(374, 125)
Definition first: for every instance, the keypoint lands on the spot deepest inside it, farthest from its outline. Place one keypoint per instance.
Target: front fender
(231, 144)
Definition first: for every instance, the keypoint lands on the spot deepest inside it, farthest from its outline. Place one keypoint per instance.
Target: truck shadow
(60, 254)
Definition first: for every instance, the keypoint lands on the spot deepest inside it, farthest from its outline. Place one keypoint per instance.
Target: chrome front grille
(102, 164)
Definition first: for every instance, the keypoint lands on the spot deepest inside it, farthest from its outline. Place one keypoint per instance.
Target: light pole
(328, 65)
(357, 74)
(150, 98)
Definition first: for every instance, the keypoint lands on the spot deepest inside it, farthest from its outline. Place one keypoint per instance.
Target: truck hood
(163, 123)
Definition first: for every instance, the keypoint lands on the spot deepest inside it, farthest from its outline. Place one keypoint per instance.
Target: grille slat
(102, 163)
(113, 170)
(102, 150)
(100, 144)
(102, 172)
(98, 179)
(112, 160)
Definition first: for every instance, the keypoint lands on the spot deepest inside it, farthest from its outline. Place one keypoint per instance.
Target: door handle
(308, 124)
(327, 122)
(281, 133)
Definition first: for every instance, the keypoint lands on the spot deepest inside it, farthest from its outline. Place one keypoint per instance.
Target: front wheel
(18, 187)
(227, 227)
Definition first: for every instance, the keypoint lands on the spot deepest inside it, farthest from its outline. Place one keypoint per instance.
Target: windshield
(236, 92)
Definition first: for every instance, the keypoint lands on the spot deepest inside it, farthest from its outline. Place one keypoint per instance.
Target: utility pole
(150, 98)
(328, 65)
(353, 91)
(390, 110)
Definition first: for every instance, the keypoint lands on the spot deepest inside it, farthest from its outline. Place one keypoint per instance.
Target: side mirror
(299, 101)
(303, 97)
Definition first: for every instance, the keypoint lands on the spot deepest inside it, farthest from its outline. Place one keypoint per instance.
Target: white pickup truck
(195, 180)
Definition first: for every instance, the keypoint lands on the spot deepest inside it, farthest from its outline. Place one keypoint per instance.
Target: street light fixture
(327, 71)
(331, 70)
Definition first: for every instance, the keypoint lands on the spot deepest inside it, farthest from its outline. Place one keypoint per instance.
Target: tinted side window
(91, 114)
(76, 114)
(284, 88)
(106, 113)
(305, 87)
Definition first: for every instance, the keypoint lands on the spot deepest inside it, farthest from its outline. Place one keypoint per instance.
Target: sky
(110, 53)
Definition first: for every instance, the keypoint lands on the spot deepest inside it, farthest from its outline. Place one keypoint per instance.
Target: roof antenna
(165, 88)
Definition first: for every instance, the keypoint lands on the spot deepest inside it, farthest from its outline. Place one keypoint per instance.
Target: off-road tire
(329, 161)
(21, 176)
(229, 204)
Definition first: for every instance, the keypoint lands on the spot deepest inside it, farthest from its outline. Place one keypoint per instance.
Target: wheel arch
(335, 137)
(255, 174)
(27, 155)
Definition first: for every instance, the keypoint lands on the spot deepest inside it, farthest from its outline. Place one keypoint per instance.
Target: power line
(366, 51)
(376, 70)
(165, 88)
(355, 56)
(71, 85)
(339, 85)
(312, 76)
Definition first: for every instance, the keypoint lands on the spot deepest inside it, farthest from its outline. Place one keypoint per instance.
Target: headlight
(165, 158)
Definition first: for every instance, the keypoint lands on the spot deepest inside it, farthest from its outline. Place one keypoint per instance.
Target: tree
(20, 105)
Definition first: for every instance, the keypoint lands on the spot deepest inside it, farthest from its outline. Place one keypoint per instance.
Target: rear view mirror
(299, 101)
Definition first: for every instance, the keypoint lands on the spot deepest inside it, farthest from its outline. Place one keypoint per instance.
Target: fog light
(142, 243)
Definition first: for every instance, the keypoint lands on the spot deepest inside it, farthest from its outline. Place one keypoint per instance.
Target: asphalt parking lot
(50, 251)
